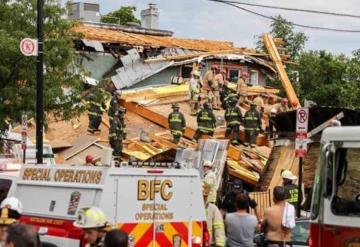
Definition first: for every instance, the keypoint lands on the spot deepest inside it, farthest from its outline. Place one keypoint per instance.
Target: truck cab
(335, 209)
(156, 206)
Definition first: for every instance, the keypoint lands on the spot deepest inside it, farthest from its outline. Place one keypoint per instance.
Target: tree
(62, 80)
(122, 16)
(330, 80)
(294, 43)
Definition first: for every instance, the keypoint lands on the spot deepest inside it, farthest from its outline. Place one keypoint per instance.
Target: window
(316, 196)
(346, 200)
(254, 77)
(233, 75)
(91, 7)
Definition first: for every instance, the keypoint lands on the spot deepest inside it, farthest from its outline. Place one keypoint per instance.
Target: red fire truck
(335, 209)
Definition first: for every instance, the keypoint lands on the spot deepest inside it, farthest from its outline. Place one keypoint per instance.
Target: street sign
(29, 47)
(302, 119)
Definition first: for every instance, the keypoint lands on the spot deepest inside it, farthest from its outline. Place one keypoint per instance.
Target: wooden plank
(325, 124)
(188, 56)
(275, 57)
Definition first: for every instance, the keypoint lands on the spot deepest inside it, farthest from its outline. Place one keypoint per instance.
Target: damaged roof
(132, 39)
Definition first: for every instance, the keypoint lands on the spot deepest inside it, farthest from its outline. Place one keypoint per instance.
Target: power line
(295, 9)
(294, 24)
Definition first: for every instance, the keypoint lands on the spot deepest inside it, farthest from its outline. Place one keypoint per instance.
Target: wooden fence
(263, 199)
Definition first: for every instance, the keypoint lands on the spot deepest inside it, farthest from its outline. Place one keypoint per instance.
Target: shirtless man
(276, 234)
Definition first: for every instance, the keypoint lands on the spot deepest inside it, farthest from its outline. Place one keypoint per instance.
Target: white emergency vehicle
(156, 206)
(335, 209)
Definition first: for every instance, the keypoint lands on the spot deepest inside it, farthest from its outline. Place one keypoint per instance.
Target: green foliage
(331, 80)
(122, 16)
(294, 43)
(62, 82)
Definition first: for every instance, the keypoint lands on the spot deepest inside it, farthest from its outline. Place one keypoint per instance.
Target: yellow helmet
(92, 217)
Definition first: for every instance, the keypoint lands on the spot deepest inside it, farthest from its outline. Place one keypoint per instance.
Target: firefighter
(215, 87)
(122, 112)
(206, 122)
(93, 222)
(252, 124)
(177, 123)
(291, 189)
(241, 86)
(228, 98)
(208, 85)
(233, 119)
(10, 212)
(116, 133)
(114, 105)
(96, 107)
(260, 104)
(214, 221)
(195, 88)
(210, 180)
(282, 106)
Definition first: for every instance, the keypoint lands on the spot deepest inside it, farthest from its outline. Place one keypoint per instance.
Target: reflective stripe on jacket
(252, 121)
(233, 116)
(206, 120)
(176, 121)
(215, 225)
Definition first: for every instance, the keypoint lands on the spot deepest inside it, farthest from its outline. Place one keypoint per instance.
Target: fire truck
(156, 204)
(335, 209)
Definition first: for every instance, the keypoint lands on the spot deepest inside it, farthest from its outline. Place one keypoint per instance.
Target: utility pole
(40, 83)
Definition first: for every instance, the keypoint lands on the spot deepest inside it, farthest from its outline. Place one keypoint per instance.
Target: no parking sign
(302, 119)
(29, 47)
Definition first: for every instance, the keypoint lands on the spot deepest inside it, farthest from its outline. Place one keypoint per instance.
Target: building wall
(97, 63)
(247, 67)
(161, 78)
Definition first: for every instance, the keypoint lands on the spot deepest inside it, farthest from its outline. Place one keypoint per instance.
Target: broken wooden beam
(325, 124)
(284, 78)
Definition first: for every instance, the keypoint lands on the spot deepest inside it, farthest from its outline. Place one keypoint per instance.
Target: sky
(209, 20)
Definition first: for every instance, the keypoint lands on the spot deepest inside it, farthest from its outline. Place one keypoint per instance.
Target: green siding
(98, 64)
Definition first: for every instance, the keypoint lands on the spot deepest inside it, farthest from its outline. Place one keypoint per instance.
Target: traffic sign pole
(39, 84)
(302, 119)
(300, 195)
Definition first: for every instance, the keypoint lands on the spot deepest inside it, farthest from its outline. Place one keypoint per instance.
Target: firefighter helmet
(175, 106)
(89, 158)
(92, 217)
(285, 101)
(207, 106)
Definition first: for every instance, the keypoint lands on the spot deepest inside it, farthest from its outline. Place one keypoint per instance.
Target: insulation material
(94, 44)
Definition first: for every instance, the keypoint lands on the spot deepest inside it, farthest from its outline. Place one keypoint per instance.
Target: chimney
(87, 12)
(150, 17)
